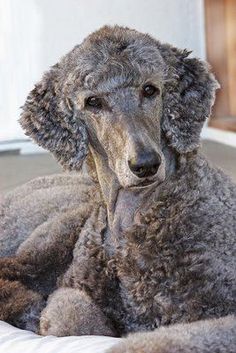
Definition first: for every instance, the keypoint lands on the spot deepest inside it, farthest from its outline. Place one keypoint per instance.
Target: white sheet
(14, 340)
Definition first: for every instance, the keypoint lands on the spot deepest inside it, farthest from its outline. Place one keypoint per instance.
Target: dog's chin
(128, 182)
(145, 184)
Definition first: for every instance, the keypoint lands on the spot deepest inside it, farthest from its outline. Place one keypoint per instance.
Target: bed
(14, 340)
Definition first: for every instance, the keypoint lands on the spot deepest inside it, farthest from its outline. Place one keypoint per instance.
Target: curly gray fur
(140, 253)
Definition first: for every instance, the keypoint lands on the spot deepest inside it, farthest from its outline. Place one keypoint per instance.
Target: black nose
(145, 165)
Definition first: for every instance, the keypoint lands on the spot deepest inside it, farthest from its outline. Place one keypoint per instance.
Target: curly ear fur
(49, 119)
(188, 98)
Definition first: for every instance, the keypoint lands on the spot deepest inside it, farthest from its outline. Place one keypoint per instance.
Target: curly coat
(101, 243)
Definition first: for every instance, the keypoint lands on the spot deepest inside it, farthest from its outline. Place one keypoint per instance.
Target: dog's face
(120, 101)
(119, 92)
(124, 125)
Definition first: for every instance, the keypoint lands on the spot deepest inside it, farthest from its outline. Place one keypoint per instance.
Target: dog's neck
(124, 205)
(121, 203)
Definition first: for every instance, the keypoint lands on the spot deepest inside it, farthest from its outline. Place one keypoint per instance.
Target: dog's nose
(145, 165)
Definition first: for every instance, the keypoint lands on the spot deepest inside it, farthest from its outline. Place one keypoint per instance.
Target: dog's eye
(150, 91)
(94, 102)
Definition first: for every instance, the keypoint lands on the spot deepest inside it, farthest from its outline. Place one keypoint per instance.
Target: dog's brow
(110, 84)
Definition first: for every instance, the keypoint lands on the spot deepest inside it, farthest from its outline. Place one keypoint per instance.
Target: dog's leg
(71, 312)
(209, 336)
(51, 244)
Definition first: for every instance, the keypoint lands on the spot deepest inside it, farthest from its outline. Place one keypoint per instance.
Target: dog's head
(120, 92)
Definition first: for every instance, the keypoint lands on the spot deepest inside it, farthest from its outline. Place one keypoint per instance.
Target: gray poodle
(142, 237)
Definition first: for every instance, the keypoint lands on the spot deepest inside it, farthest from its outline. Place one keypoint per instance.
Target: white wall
(34, 34)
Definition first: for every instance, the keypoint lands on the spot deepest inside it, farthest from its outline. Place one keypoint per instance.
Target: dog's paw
(148, 342)
(71, 312)
(204, 336)
(127, 347)
(136, 343)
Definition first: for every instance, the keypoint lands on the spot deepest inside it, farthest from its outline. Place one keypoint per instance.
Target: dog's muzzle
(145, 165)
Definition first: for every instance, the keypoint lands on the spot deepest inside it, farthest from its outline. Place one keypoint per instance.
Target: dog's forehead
(121, 60)
(117, 74)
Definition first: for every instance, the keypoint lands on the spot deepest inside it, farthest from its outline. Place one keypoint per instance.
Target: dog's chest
(158, 281)
(141, 282)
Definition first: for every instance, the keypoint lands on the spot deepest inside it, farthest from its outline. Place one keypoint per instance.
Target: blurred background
(34, 34)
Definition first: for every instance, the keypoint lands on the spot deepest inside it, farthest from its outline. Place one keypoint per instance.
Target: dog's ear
(50, 120)
(189, 94)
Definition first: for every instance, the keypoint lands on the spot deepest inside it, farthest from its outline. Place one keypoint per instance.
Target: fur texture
(139, 253)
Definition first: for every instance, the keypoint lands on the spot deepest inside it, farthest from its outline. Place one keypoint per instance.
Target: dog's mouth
(145, 184)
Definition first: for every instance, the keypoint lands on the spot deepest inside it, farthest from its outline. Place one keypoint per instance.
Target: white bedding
(14, 340)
